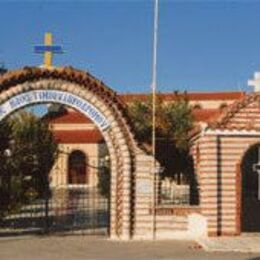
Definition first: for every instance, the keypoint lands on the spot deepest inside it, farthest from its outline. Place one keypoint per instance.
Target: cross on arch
(48, 49)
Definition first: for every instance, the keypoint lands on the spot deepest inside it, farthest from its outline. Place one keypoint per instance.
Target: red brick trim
(177, 210)
(127, 97)
(228, 234)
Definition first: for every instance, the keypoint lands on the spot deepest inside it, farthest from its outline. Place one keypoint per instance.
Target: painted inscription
(54, 96)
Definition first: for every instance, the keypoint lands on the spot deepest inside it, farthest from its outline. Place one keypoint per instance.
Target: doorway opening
(77, 168)
(250, 200)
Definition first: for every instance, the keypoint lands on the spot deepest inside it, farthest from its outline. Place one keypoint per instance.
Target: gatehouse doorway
(250, 197)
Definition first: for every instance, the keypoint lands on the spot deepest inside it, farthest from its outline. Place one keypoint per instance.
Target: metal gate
(73, 210)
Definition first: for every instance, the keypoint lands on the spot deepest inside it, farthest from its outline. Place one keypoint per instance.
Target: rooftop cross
(48, 49)
(255, 82)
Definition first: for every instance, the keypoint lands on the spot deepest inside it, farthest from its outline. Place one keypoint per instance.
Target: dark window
(77, 168)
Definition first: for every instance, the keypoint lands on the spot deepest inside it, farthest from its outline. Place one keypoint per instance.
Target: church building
(82, 146)
(225, 153)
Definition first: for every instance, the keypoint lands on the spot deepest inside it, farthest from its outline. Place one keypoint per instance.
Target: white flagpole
(154, 86)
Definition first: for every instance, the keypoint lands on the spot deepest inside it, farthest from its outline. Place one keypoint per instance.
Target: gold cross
(48, 49)
(48, 54)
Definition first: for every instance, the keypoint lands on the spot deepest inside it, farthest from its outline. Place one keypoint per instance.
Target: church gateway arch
(132, 184)
(133, 214)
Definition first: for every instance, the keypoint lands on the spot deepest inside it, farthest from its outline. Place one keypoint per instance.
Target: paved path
(83, 247)
(248, 243)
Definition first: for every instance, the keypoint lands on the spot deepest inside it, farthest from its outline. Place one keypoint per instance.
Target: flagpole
(154, 87)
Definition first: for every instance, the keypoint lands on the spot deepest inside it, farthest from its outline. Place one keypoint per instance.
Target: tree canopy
(28, 152)
(174, 121)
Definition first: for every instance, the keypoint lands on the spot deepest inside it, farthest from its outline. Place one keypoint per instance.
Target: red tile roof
(94, 136)
(201, 115)
(70, 117)
(195, 96)
(78, 136)
(206, 115)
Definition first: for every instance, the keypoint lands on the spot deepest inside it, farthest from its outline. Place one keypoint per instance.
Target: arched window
(77, 168)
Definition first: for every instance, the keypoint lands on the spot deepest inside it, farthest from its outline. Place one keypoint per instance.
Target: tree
(3, 70)
(179, 123)
(5, 170)
(174, 120)
(104, 172)
(35, 149)
(27, 156)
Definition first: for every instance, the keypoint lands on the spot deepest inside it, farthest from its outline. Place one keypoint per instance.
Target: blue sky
(203, 45)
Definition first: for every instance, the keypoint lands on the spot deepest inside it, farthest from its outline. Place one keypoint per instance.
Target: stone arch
(123, 149)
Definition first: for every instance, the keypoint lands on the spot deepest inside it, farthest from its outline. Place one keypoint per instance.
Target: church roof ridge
(223, 95)
(222, 121)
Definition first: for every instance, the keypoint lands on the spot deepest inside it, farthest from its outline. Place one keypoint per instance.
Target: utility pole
(154, 87)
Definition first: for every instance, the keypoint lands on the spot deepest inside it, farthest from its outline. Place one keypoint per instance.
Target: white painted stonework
(255, 82)
(197, 226)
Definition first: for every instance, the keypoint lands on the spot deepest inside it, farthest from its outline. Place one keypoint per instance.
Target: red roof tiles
(201, 115)
(70, 117)
(205, 115)
(196, 96)
(78, 136)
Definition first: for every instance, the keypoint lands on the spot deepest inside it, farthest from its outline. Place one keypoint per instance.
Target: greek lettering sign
(54, 96)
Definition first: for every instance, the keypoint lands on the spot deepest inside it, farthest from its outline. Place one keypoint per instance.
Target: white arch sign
(54, 96)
